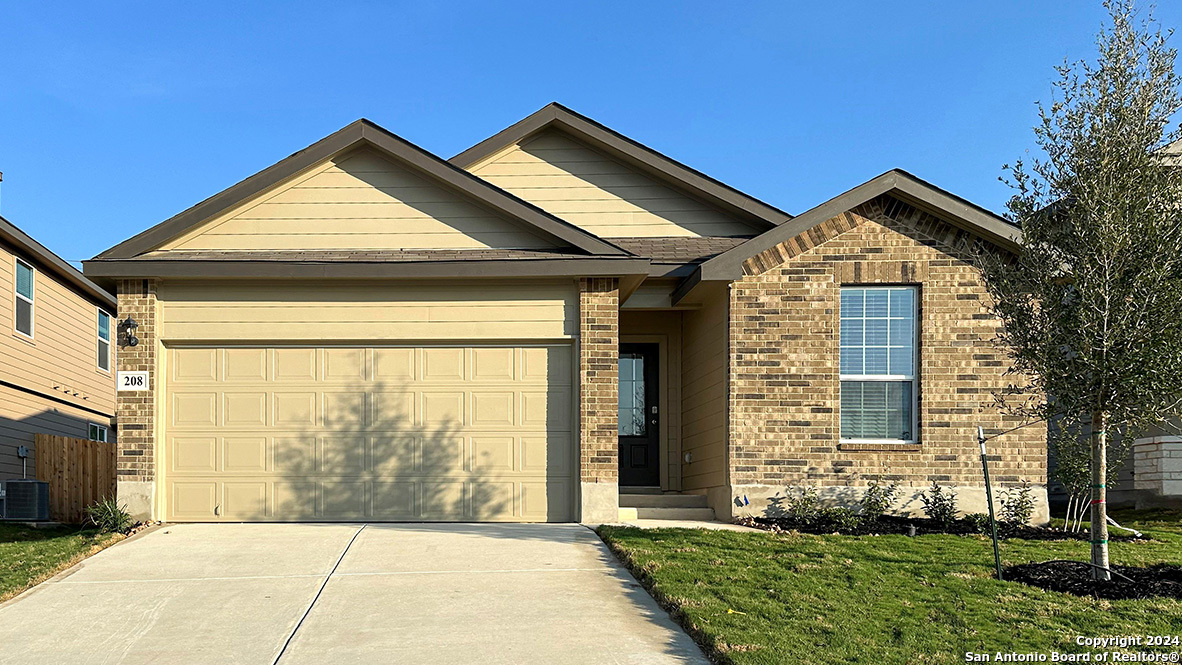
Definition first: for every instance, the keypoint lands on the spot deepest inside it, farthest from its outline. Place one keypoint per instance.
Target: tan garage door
(381, 433)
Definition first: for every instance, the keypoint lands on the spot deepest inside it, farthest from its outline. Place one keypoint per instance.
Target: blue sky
(116, 116)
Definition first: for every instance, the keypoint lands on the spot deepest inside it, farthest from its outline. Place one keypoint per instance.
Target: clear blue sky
(116, 116)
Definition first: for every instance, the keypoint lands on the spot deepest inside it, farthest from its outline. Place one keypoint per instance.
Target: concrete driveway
(345, 593)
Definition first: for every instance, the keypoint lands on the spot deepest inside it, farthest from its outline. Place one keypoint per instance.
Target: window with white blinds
(24, 298)
(878, 364)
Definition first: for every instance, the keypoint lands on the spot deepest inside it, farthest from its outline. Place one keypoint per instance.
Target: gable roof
(51, 262)
(665, 169)
(728, 265)
(356, 134)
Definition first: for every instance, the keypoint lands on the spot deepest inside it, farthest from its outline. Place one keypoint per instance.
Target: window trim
(17, 296)
(106, 432)
(98, 336)
(913, 378)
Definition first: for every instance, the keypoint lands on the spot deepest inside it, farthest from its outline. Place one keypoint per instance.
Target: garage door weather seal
(315, 598)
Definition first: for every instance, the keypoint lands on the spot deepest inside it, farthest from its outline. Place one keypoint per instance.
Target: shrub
(977, 522)
(805, 512)
(108, 516)
(878, 500)
(803, 505)
(1017, 505)
(939, 504)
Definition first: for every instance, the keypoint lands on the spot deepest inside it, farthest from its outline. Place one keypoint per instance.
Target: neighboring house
(554, 323)
(56, 352)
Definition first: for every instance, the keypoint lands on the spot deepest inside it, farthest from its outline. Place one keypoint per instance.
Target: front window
(632, 391)
(104, 341)
(97, 433)
(878, 364)
(24, 298)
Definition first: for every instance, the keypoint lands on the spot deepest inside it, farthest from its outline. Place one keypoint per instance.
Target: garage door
(377, 433)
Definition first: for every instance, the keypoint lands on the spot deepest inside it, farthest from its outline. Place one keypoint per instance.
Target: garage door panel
(244, 500)
(195, 365)
(194, 453)
(394, 365)
(294, 499)
(493, 409)
(343, 499)
(295, 365)
(395, 456)
(443, 364)
(194, 410)
(443, 408)
(394, 500)
(444, 500)
(294, 455)
(440, 453)
(193, 499)
(244, 410)
(245, 454)
(493, 453)
(344, 411)
(343, 455)
(345, 365)
(384, 433)
(492, 365)
(393, 410)
(295, 410)
(244, 365)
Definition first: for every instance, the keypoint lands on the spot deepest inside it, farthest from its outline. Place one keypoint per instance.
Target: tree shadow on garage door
(394, 451)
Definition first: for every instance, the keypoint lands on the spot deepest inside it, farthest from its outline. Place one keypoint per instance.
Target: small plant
(803, 505)
(939, 504)
(805, 512)
(977, 522)
(878, 500)
(1017, 507)
(108, 516)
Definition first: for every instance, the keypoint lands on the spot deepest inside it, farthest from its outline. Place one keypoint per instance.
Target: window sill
(870, 446)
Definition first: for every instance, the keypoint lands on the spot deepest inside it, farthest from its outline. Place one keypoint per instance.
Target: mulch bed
(892, 524)
(1075, 577)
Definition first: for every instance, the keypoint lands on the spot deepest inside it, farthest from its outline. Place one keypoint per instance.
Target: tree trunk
(1099, 513)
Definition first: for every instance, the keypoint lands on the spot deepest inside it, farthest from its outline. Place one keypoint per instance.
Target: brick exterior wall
(137, 410)
(784, 359)
(599, 350)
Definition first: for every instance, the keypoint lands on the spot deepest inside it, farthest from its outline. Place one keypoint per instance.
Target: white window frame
(102, 430)
(17, 296)
(98, 336)
(913, 377)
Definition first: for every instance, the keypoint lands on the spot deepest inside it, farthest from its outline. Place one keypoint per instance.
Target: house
(553, 325)
(56, 352)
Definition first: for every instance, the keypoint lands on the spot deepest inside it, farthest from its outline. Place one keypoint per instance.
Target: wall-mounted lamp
(127, 332)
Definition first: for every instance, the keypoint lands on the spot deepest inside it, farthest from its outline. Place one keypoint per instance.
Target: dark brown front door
(639, 420)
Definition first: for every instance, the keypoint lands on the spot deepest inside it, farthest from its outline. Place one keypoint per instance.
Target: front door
(639, 420)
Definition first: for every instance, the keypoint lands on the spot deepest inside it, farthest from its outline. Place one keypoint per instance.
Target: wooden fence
(79, 472)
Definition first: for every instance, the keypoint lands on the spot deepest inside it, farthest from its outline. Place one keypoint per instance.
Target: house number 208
(132, 381)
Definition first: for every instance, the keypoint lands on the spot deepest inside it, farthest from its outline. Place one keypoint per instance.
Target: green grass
(30, 556)
(767, 598)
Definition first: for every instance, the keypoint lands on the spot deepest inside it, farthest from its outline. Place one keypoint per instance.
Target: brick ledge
(891, 447)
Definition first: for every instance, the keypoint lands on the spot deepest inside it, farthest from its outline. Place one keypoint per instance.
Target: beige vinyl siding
(358, 201)
(665, 329)
(704, 363)
(62, 357)
(608, 198)
(287, 311)
(23, 415)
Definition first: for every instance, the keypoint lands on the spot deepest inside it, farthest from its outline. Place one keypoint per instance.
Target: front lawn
(29, 556)
(788, 598)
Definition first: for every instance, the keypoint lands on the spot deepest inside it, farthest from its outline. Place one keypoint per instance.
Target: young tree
(1091, 308)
